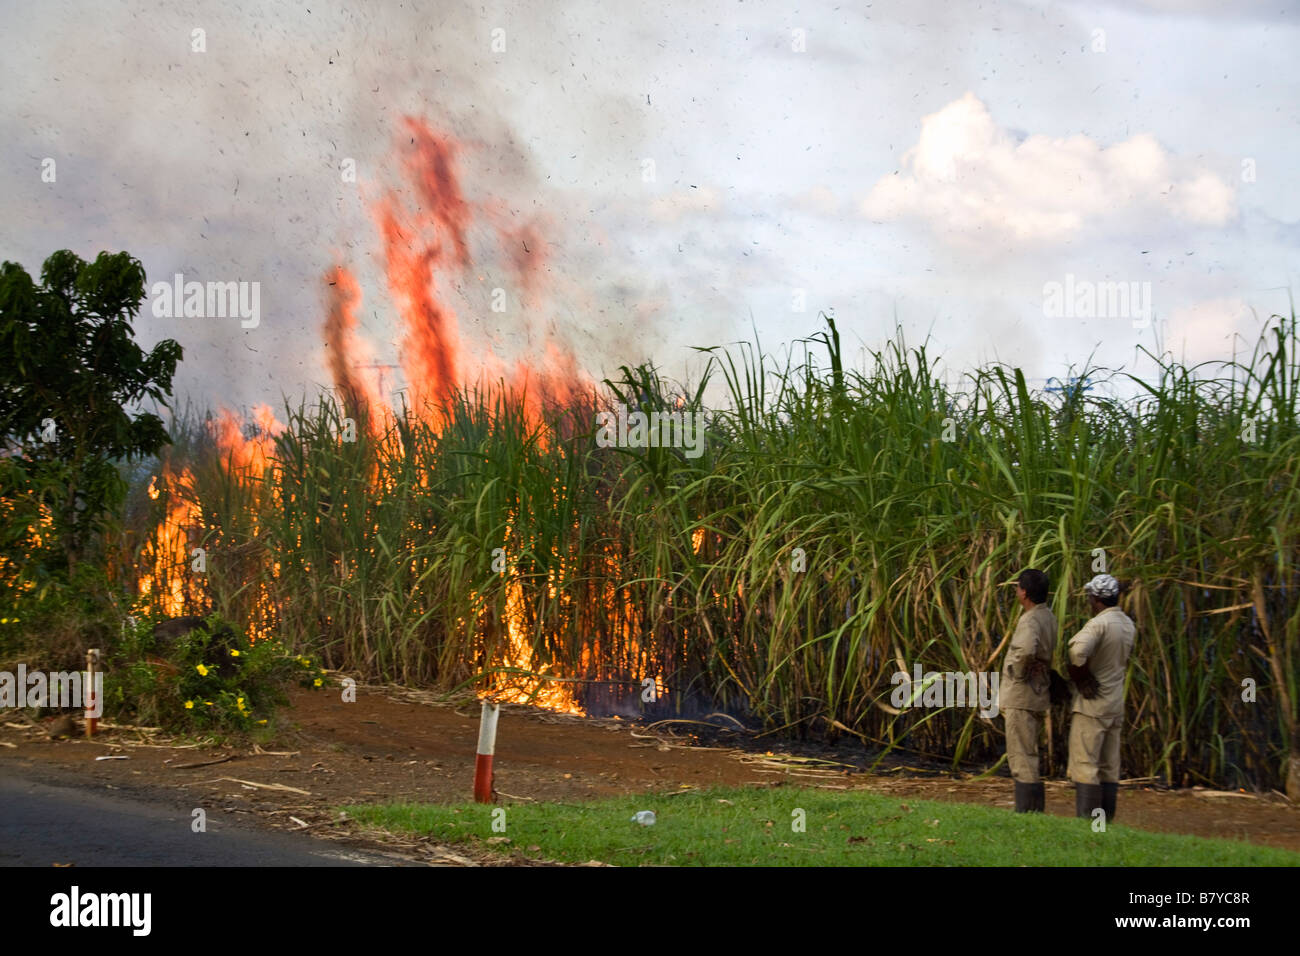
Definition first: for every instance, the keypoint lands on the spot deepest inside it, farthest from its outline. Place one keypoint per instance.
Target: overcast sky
(694, 169)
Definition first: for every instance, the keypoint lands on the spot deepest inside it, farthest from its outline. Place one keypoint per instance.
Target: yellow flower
(208, 702)
(317, 682)
(234, 653)
(262, 722)
(203, 671)
(189, 705)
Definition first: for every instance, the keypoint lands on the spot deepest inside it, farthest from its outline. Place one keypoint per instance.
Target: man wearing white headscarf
(1098, 661)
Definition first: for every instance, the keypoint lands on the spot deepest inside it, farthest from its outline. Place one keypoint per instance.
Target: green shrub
(212, 678)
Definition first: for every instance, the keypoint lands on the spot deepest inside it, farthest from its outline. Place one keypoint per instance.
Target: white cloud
(672, 206)
(1203, 331)
(818, 200)
(971, 180)
(1210, 9)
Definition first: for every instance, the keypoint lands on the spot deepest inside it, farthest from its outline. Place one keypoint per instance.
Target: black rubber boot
(1024, 797)
(1039, 797)
(1109, 791)
(1087, 797)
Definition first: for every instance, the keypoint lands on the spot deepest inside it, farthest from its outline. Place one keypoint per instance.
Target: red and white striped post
(487, 743)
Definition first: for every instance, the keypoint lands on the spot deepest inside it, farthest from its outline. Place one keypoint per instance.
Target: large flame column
(487, 743)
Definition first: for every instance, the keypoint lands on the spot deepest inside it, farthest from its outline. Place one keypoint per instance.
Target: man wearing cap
(1023, 694)
(1098, 661)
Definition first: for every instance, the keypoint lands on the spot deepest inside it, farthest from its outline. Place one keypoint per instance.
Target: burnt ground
(398, 744)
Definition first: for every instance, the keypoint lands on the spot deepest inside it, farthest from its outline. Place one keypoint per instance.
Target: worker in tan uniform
(1098, 662)
(1023, 689)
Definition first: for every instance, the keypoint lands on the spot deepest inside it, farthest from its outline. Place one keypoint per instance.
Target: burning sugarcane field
(495, 436)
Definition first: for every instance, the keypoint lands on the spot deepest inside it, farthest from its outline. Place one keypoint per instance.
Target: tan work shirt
(1104, 644)
(1034, 639)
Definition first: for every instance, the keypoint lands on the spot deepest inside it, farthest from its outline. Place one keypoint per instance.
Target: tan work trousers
(1094, 748)
(1022, 743)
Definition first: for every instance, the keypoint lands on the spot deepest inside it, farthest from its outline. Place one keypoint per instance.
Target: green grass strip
(761, 827)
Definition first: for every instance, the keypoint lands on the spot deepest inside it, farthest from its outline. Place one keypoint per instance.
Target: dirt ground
(396, 744)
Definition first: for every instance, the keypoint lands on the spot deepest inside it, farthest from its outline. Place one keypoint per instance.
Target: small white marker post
(88, 694)
(487, 742)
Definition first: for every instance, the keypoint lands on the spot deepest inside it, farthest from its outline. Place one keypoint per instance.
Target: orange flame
(248, 456)
(167, 555)
(416, 245)
(345, 350)
(426, 241)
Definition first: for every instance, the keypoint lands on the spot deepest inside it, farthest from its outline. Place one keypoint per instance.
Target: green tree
(71, 384)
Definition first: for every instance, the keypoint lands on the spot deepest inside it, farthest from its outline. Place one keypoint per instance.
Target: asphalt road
(41, 825)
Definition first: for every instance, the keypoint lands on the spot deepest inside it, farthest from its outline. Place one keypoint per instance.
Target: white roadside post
(88, 693)
(487, 742)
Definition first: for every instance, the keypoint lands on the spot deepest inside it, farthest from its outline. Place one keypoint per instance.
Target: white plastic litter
(644, 817)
